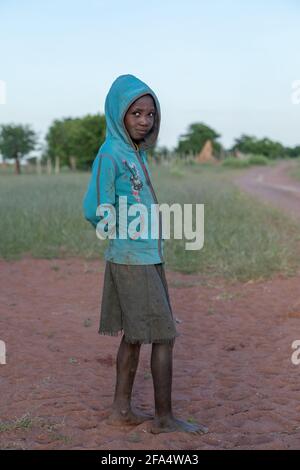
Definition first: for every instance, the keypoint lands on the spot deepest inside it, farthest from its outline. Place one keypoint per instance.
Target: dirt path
(232, 362)
(273, 185)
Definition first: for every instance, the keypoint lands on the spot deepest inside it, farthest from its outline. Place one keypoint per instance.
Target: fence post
(38, 167)
(49, 166)
(57, 166)
(73, 163)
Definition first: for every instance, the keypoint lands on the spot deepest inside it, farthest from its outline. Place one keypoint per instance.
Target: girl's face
(139, 118)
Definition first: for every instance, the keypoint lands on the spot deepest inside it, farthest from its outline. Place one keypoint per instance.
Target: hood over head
(124, 91)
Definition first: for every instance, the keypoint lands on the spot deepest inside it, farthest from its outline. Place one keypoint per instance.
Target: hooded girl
(135, 293)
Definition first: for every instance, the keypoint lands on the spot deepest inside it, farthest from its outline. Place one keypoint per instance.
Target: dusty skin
(175, 424)
(172, 424)
(130, 417)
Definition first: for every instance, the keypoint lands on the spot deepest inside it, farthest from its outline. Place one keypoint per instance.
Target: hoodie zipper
(154, 197)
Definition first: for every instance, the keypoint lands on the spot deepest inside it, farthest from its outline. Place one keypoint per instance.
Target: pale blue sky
(227, 63)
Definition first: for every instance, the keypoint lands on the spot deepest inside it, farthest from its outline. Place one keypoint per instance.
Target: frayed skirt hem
(139, 340)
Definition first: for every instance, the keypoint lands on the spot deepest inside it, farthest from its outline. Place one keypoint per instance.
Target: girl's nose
(143, 121)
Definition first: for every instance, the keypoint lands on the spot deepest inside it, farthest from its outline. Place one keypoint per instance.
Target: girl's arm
(101, 187)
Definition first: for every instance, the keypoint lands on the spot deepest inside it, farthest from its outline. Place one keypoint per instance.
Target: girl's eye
(137, 113)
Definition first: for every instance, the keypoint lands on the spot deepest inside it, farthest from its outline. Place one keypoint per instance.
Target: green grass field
(42, 216)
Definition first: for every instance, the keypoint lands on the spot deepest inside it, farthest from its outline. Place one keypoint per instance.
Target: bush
(258, 160)
(232, 162)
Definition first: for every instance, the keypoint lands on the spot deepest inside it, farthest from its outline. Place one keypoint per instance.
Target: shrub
(258, 160)
(232, 162)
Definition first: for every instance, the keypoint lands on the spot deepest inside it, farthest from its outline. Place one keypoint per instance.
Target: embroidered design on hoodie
(135, 179)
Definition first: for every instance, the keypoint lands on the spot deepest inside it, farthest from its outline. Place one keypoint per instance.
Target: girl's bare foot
(130, 417)
(171, 424)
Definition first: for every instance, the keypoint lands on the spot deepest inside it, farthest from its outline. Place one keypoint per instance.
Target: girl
(135, 294)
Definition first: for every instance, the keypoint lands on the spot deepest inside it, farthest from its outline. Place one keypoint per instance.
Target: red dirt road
(232, 362)
(274, 186)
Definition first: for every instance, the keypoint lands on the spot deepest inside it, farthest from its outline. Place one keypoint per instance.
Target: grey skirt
(136, 300)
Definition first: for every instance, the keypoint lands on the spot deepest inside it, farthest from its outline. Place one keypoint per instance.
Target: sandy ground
(232, 363)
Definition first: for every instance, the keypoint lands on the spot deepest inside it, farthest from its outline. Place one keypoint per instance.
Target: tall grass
(42, 216)
(244, 238)
(232, 162)
(295, 171)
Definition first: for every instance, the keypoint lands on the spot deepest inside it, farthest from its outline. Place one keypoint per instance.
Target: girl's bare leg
(127, 363)
(162, 369)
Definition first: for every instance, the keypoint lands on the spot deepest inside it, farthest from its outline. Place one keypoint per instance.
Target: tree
(267, 147)
(293, 152)
(158, 153)
(245, 144)
(76, 138)
(16, 141)
(197, 135)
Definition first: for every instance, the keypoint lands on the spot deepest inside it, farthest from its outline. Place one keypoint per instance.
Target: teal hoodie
(121, 169)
